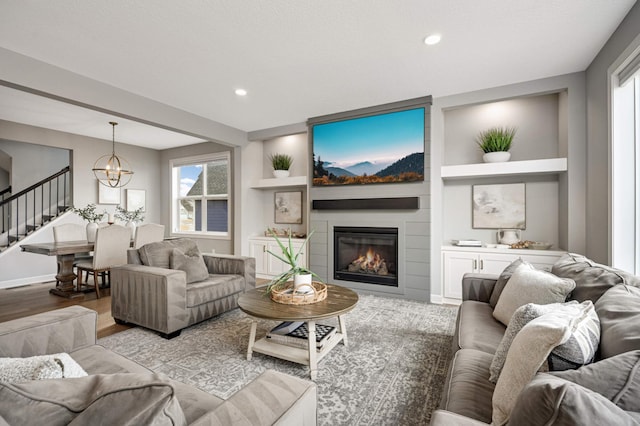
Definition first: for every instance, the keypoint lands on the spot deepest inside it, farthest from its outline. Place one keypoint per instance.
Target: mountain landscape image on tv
(383, 148)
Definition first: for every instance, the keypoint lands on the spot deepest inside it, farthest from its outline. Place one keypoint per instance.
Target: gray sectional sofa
(120, 391)
(168, 285)
(605, 391)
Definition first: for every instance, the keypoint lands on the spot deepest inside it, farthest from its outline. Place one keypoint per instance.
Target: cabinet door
(494, 263)
(258, 250)
(276, 266)
(454, 266)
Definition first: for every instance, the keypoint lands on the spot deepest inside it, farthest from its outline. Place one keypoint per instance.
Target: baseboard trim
(27, 281)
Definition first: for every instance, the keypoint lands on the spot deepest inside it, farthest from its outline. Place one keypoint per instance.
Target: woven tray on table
(284, 294)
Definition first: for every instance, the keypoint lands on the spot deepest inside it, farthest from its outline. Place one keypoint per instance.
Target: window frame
(174, 165)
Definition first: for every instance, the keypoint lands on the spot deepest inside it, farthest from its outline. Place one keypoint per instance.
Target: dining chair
(110, 249)
(148, 233)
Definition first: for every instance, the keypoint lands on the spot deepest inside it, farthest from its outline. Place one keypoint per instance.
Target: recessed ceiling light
(432, 39)
(241, 92)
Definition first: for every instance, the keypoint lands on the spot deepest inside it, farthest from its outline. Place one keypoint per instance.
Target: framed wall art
(136, 198)
(499, 206)
(288, 207)
(107, 194)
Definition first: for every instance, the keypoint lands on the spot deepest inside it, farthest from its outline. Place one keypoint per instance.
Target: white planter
(92, 228)
(302, 283)
(496, 157)
(281, 173)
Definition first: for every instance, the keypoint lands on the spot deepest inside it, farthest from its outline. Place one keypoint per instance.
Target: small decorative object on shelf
(281, 164)
(298, 337)
(495, 143)
(302, 290)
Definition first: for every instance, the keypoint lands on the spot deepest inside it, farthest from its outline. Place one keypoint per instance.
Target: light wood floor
(32, 299)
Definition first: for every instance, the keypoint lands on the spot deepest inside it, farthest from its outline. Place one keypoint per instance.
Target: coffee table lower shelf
(306, 356)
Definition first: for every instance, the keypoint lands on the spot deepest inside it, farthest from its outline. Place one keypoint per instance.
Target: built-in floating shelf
(281, 182)
(509, 168)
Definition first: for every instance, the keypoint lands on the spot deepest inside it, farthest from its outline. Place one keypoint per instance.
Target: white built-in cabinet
(457, 261)
(268, 266)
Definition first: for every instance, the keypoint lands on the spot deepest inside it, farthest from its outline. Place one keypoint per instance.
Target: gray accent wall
(24, 170)
(598, 245)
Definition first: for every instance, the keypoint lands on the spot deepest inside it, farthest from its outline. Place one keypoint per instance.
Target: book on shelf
(299, 337)
(467, 243)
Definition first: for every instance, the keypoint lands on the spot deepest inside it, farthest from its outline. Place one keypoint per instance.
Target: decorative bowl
(540, 245)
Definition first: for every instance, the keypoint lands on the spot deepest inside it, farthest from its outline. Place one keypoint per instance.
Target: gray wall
(85, 151)
(598, 200)
(24, 170)
(205, 244)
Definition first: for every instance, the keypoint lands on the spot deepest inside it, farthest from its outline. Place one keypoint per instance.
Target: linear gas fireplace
(366, 255)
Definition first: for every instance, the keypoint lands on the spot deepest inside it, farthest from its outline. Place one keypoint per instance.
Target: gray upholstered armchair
(168, 285)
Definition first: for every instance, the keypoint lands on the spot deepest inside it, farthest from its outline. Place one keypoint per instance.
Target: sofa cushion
(468, 390)
(158, 254)
(214, 288)
(550, 400)
(191, 262)
(502, 281)
(616, 378)
(530, 348)
(477, 329)
(530, 285)
(592, 279)
(619, 312)
(122, 399)
(98, 360)
(55, 366)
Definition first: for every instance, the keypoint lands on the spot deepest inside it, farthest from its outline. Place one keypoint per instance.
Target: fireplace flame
(370, 263)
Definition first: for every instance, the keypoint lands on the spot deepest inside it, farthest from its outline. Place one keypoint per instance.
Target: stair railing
(29, 209)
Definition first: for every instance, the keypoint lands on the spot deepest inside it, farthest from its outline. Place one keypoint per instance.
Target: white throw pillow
(530, 285)
(529, 350)
(578, 350)
(56, 366)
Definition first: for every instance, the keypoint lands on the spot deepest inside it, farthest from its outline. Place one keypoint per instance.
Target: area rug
(391, 372)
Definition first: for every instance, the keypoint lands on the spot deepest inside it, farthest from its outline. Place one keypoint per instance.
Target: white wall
(598, 151)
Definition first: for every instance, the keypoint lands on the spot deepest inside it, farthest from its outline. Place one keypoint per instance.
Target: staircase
(23, 213)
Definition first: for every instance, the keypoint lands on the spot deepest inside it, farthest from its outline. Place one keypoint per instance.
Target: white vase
(281, 173)
(496, 157)
(132, 226)
(302, 283)
(92, 228)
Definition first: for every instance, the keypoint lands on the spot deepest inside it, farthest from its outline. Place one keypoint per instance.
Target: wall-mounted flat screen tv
(381, 148)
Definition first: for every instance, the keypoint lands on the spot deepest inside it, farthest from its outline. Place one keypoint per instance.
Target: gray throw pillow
(190, 262)
(592, 279)
(616, 378)
(619, 312)
(158, 254)
(530, 285)
(549, 400)
(111, 399)
(502, 281)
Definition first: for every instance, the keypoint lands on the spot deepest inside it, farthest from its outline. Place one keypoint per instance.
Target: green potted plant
(495, 143)
(281, 164)
(90, 214)
(302, 277)
(130, 218)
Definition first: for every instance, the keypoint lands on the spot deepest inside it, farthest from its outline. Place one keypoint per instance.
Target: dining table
(65, 253)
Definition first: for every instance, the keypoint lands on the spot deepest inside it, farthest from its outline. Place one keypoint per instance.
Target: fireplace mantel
(395, 203)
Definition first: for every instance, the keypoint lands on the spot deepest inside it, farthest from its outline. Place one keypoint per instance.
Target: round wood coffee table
(258, 304)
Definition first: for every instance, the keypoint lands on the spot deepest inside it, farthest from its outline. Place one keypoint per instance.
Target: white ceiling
(296, 58)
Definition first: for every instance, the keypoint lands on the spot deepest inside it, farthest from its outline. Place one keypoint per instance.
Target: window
(625, 166)
(200, 196)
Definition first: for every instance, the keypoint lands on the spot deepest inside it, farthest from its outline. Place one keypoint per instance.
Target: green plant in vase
(89, 213)
(281, 164)
(301, 276)
(129, 216)
(496, 140)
